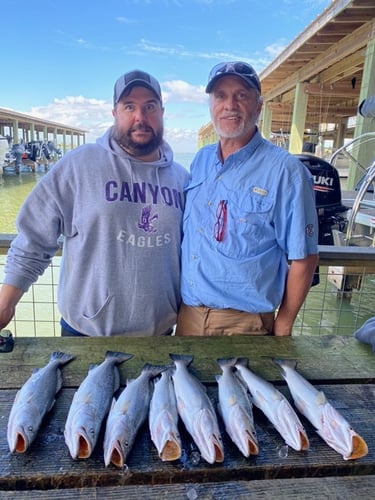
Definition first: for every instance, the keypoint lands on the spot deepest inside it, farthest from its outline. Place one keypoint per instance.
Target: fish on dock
(331, 426)
(33, 401)
(275, 406)
(235, 408)
(127, 414)
(91, 403)
(163, 418)
(196, 410)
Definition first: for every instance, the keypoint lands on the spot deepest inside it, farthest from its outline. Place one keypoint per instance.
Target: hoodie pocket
(97, 307)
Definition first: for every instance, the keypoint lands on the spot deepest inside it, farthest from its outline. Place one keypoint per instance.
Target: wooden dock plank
(320, 358)
(35, 469)
(329, 488)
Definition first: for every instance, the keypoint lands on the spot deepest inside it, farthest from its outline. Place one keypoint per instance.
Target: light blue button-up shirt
(260, 203)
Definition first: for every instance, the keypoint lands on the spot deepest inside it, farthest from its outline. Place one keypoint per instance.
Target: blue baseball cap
(237, 68)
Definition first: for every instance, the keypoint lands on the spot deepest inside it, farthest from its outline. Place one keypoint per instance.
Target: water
(15, 188)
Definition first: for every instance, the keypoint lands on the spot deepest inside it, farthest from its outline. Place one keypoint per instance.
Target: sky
(60, 60)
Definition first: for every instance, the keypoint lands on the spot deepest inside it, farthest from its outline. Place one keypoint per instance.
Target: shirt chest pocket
(249, 224)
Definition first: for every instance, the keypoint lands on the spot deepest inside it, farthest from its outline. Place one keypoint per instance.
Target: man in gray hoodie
(118, 204)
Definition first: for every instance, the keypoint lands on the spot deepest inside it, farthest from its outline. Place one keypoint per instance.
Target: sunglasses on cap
(238, 68)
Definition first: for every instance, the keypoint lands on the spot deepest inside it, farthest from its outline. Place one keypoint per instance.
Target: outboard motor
(327, 198)
(18, 151)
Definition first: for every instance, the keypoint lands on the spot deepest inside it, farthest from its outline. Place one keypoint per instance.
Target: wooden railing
(341, 302)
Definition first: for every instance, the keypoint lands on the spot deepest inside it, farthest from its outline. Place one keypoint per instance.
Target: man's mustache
(141, 127)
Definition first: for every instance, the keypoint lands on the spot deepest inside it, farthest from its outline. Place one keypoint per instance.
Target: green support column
(366, 154)
(340, 135)
(266, 120)
(298, 120)
(15, 132)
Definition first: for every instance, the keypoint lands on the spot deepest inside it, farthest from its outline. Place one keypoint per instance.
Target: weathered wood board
(342, 367)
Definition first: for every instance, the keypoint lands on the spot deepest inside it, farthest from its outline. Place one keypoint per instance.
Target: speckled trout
(163, 418)
(32, 402)
(127, 414)
(235, 408)
(328, 422)
(275, 406)
(196, 410)
(91, 403)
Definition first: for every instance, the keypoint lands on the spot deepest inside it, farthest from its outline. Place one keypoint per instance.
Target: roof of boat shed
(26, 122)
(328, 57)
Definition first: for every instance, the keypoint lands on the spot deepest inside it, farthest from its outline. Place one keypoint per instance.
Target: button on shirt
(243, 219)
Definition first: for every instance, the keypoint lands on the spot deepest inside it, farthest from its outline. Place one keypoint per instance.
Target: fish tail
(187, 359)
(243, 362)
(227, 362)
(154, 370)
(290, 363)
(118, 357)
(61, 357)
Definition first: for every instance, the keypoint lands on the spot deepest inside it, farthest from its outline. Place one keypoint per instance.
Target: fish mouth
(252, 446)
(171, 451)
(305, 444)
(116, 456)
(21, 443)
(219, 454)
(359, 448)
(84, 447)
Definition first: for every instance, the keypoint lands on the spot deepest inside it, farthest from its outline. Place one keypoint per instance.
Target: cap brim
(212, 82)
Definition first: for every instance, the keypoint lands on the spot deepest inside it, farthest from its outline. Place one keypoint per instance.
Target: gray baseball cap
(135, 78)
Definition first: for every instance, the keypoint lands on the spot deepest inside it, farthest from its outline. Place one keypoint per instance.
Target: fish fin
(62, 357)
(120, 357)
(227, 362)
(187, 359)
(51, 405)
(116, 382)
(59, 381)
(321, 398)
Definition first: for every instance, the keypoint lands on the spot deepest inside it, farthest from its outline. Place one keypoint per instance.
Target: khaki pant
(202, 320)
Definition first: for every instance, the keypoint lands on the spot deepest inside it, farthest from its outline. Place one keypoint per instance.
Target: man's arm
(296, 288)
(9, 298)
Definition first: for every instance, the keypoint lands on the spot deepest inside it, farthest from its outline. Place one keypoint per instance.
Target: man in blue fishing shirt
(250, 208)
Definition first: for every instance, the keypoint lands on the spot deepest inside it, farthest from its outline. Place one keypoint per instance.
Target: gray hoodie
(121, 223)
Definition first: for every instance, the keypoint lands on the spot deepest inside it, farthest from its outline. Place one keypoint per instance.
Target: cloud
(180, 91)
(125, 20)
(180, 51)
(95, 115)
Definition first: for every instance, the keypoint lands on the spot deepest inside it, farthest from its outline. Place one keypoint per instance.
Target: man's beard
(135, 148)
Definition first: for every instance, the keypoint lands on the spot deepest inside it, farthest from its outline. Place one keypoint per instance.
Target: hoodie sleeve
(39, 226)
